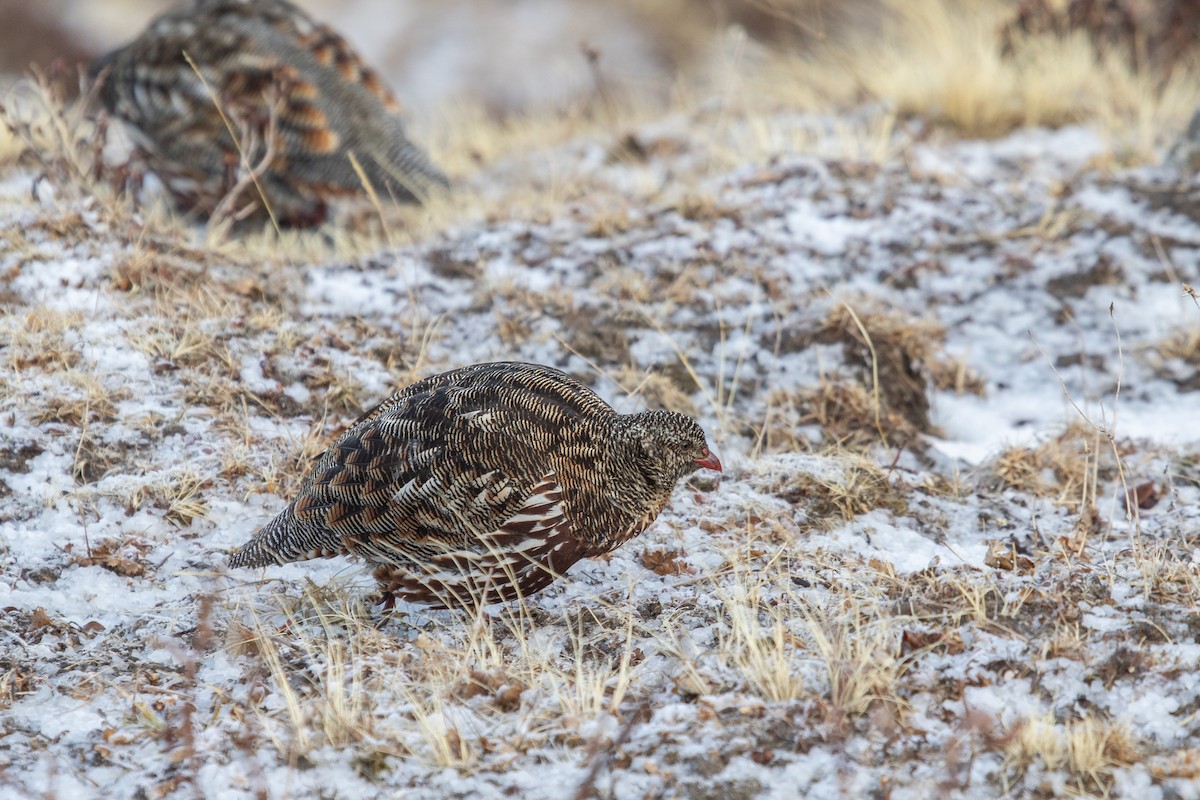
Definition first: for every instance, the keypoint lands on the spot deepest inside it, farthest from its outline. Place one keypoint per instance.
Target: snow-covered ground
(935, 592)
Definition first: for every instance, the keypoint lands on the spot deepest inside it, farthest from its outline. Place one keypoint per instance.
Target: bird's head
(664, 446)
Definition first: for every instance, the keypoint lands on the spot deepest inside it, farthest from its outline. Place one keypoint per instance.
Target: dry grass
(1183, 345)
(10, 146)
(322, 675)
(54, 133)
(785, 645)
(1176, 356)
(1067, 468)
(330, 678)
(943, 62)
(1089, 749)
(1055, 82)
(894, 351)
(933, 59)
(42, 337)
(495, 177)
(655, 389)
(861, 486)
(936, 60)
(1166, 571)
(85, 400)
(183, 343)
(892, 361)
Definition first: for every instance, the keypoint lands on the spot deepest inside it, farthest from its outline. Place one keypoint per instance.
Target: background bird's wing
(332, 106)
(332, 51)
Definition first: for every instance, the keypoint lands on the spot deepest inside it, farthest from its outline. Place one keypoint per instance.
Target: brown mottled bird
(302, 105)
(484, 484)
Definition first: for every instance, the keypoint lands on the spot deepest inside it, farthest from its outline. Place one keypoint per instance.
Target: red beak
(709, 461)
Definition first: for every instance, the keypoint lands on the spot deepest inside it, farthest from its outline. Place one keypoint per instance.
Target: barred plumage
(483, 484)
(292, 88)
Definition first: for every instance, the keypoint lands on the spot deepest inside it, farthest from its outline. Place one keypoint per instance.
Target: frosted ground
(934, 368)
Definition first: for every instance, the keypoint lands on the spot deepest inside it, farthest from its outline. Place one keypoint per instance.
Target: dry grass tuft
(655, 389)
(892, 350)
(42, 337)
(1089, 749)
(1176, 358)
(184, 499)
(1067, 468)
(95, 457)
(173, 344)
(1184, 345)
(897, 359)
(846, 413)
(85, 400)
(54, 133)
(283, 475)
(785, 646)
(944, 61)
(1168, 573)
(155, 273)
(861, 486)
(180, 495)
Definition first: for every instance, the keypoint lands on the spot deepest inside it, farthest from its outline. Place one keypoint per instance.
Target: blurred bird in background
(250, 106)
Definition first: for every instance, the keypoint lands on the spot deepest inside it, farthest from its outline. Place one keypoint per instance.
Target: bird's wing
(529, 550)
(333, 105)
(331, 50)
(440, 469)
(398, 483)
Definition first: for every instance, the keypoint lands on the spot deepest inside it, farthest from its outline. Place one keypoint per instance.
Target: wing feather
(525, 553)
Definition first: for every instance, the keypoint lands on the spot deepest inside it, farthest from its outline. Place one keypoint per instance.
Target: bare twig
(238, 143)
(1191, 292)
(876, 402)
(250, 177)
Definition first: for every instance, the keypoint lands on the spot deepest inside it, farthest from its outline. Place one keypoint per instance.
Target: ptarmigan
(300, 101)
(484, 484)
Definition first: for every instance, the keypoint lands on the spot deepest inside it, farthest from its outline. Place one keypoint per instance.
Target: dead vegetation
(1177, 357)
(1065, 468)
(1088, 749)
(957, 65)
(42, 338)
(54, 134)
(946, 62)
(891, 364)
(1161, 36)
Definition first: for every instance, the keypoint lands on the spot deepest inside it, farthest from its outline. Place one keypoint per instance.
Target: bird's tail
(281, 541)
(405, 169)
